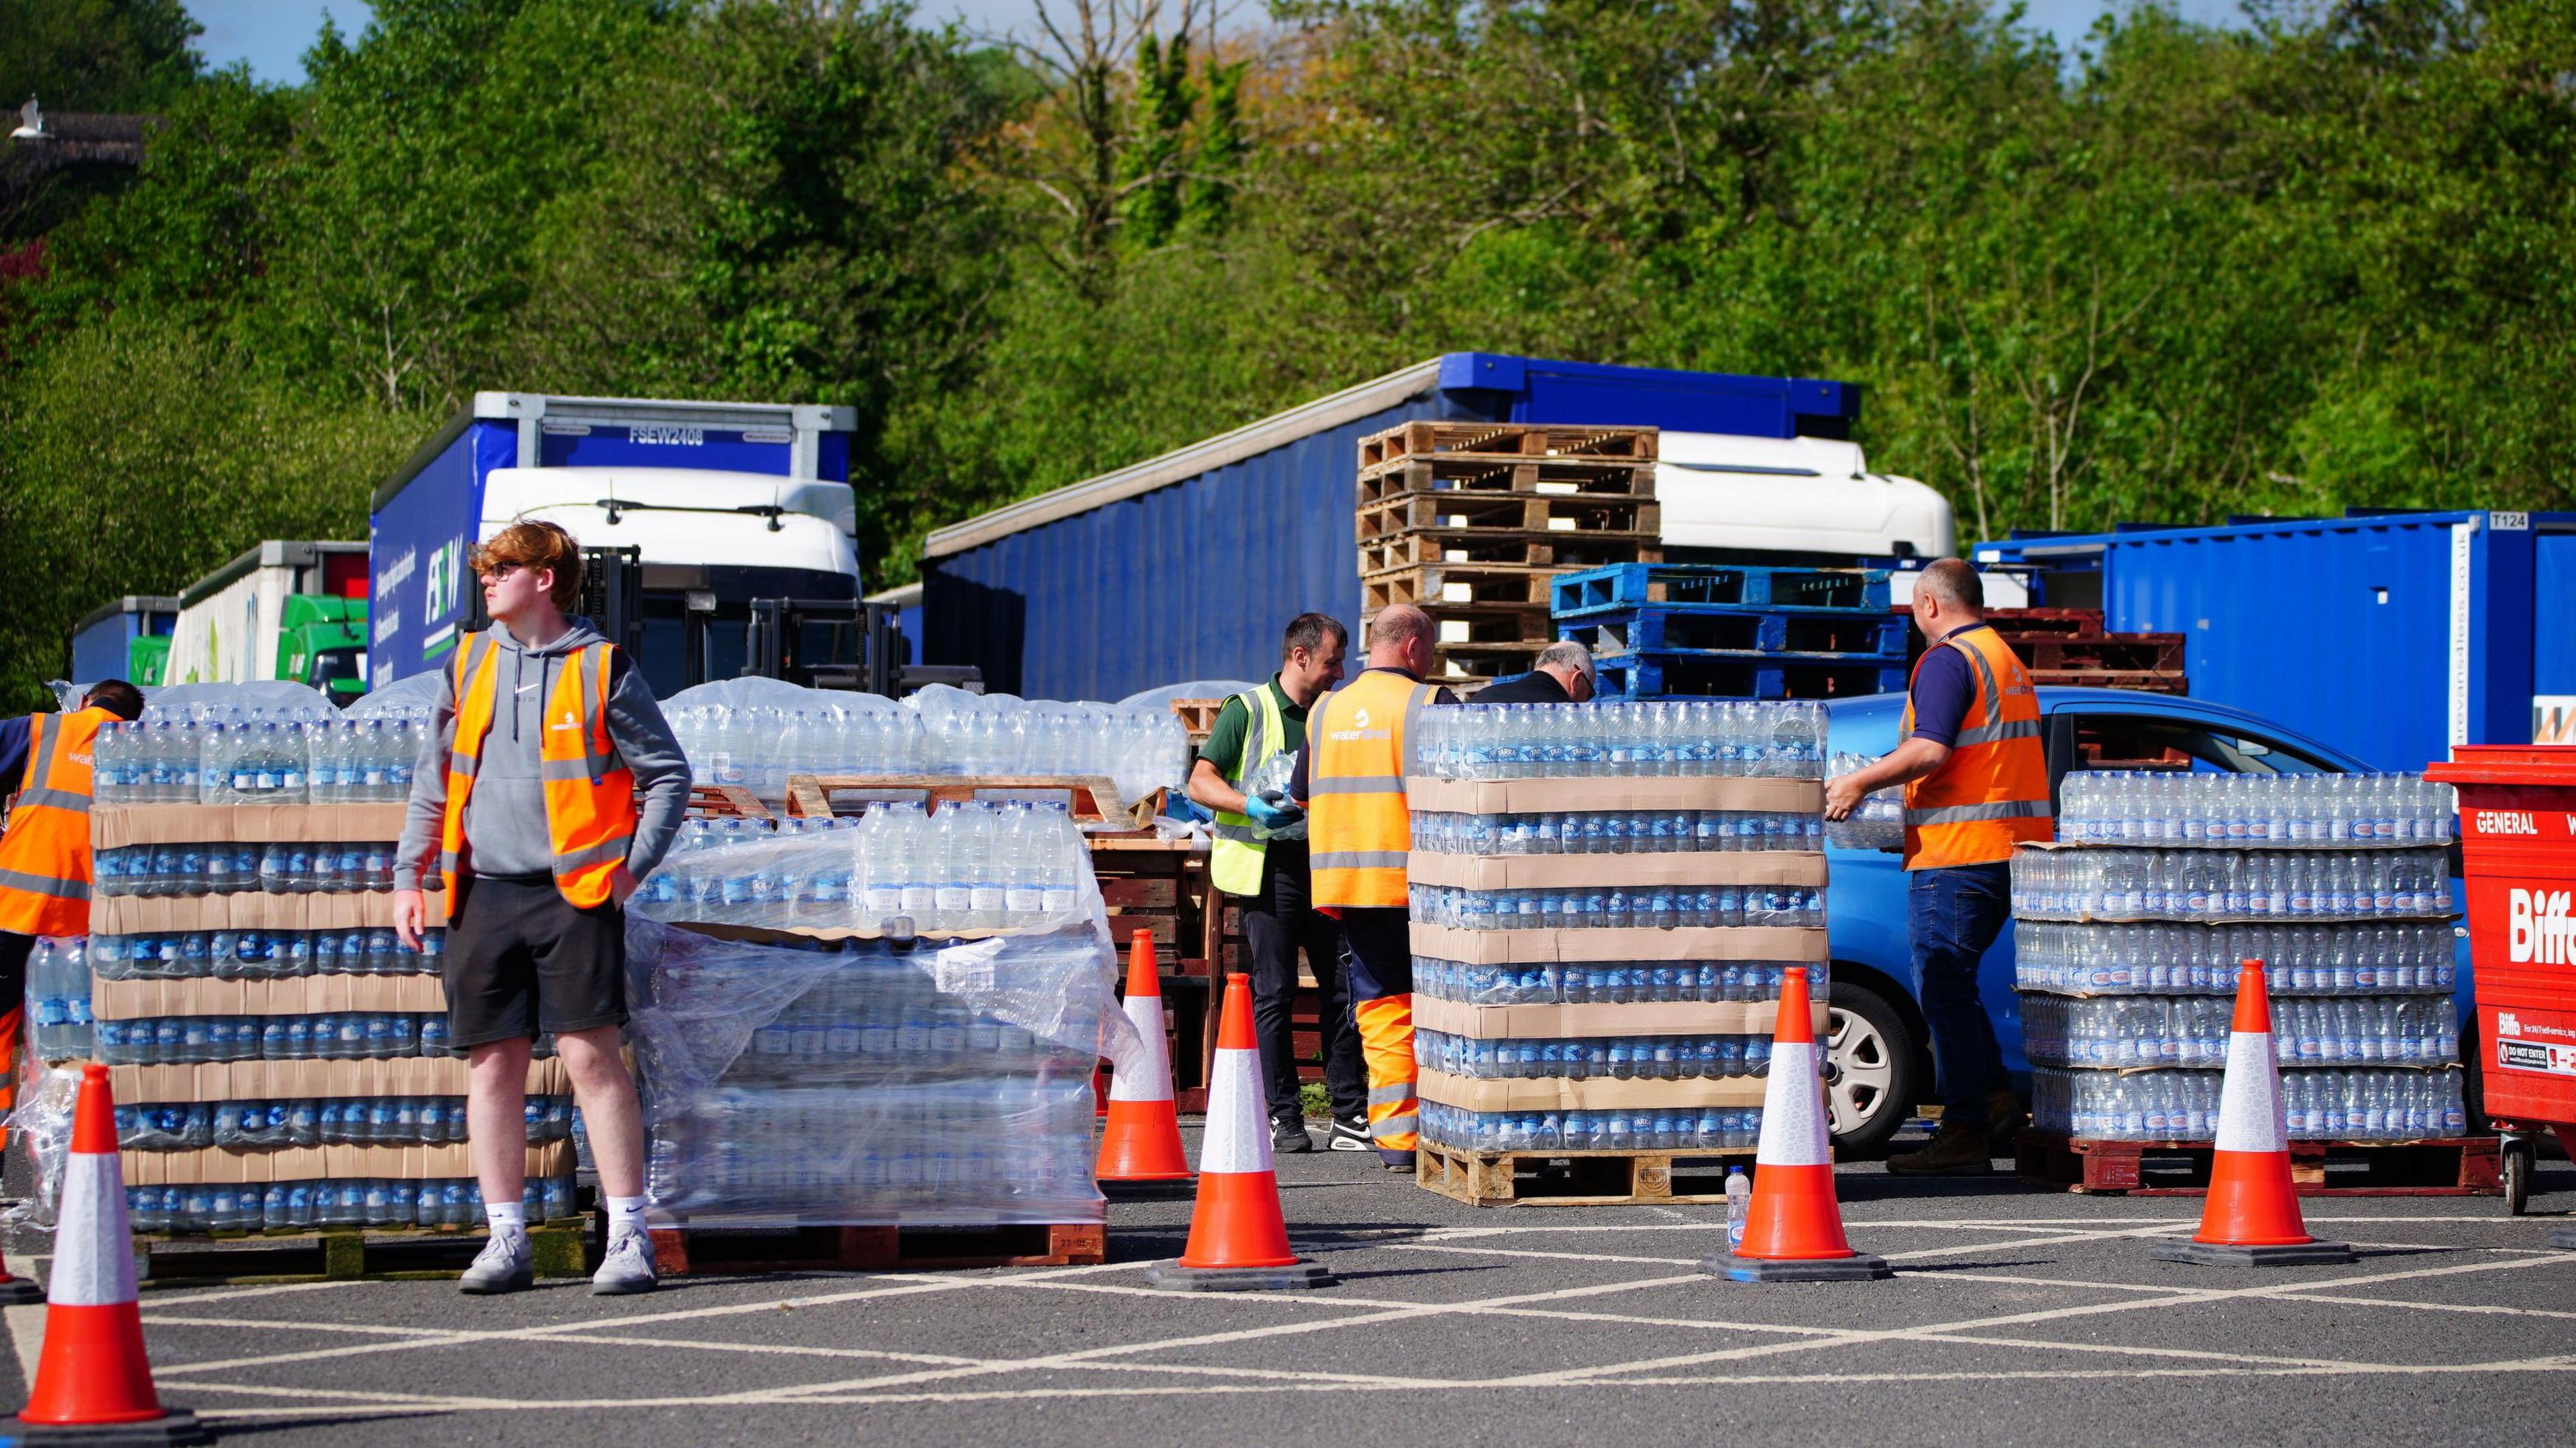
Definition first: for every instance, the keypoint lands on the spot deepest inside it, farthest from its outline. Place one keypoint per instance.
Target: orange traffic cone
(1141, 1141)
(2252, 1215)
(1795, 1230)
(1238, 1239)
(94, 1384)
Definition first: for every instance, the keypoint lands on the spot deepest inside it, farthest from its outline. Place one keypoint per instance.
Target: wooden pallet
(2136, 653)
(1640, 518)
(1506, 546)
(2087, 621)
(2445, 1167)
(348, 1254)
(1509, 439)
(726, 801)
(1465, 476)
(1433, 584)
(1638, 585)
(1092, 796)
(2112, 679)
(1574, 1178)
(1473, 665)
(683, 1251)
(1198, 716)
(1663, 630)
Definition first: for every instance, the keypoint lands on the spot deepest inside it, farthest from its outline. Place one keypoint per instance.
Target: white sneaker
(627, 1269)
(506, 1264)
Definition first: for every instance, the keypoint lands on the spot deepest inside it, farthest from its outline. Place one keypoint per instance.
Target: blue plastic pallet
(1852, 635)
(1705, 676)
(1636, 585)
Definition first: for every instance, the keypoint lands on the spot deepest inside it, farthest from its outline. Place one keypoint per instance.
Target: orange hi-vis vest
(44, 858)
(590, 793)
(1992, 792)
(1358, 829)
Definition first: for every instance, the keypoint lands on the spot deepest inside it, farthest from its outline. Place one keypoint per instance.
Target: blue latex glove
(1270, 816)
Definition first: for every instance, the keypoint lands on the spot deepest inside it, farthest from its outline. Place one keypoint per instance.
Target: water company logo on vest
(2538, 927)
(1360, 719)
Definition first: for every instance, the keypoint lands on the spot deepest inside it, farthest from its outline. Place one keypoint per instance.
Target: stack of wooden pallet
(1473, 521)
(2069, 646)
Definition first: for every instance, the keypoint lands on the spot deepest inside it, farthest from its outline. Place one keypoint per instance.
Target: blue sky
(273, 34)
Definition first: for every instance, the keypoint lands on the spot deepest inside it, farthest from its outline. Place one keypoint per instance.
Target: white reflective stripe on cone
(1793, 1110)
(2249, 1101)
(1149, 1079)
(1238, 1129)
(93, 1251)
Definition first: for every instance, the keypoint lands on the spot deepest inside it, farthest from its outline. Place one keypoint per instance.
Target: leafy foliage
(2316, 262)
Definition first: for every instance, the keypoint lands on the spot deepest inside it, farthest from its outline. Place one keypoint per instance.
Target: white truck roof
(1793, 495)
(680, 515)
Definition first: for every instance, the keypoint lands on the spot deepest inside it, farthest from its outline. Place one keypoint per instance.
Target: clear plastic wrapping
(1609, 907)
(1879, 822)
(1616, 832)
(2192, 1031)
(1609, 1058)
(2293, 811)
(886, 1079)
(1706, 1128)
(2204, 884)
(1706, 737)
(2317, 1105)
(2174, 959)
(1609, 982)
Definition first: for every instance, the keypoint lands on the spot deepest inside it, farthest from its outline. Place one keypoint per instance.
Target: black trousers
(1277, 923)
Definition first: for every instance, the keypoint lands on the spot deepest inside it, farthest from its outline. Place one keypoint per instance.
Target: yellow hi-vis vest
(44, 857)
(1358, 829)
(590, 793)
(1234, 859)
(1992, 792)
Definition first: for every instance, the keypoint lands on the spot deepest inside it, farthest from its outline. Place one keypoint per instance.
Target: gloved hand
(1271, 816)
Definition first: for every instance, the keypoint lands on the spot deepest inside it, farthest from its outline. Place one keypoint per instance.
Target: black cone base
(2563, 1237)
(2213, 1254)
(174, 1426)
(1861, 1267)
(20, 1292)
(1173, 1277)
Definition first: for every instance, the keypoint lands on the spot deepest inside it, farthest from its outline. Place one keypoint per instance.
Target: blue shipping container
(1188, 565)
(102, 642)
(2390, 636)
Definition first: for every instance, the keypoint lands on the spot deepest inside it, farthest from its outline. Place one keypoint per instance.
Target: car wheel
(1873, 1090)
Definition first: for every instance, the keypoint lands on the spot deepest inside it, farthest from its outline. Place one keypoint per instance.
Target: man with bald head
(1350, 778)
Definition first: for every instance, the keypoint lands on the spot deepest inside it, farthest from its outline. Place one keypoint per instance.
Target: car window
(2146, 742)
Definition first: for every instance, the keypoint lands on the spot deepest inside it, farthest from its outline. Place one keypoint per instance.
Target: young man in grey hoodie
(549, 843)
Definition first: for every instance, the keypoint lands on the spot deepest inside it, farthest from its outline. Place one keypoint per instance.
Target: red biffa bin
(2518, 832)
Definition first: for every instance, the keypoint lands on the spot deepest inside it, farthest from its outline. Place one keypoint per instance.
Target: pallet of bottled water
(2333, 1104)
(2252, 811)
(2078, 883)
(383, 1202)
(756, 739)
(2192, 1032)
(2160, 958)
(927, 1065)
(1604, 898)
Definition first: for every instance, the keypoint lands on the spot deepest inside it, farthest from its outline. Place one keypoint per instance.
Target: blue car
(1880, 1047)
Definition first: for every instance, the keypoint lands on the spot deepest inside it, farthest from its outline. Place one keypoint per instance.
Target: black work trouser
(1277, 923)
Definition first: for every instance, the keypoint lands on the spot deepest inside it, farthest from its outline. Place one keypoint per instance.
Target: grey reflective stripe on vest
(1390, 1095)
(1996, 733)
(1240, 834)
(1985, 677)
(41, 769)
(1393, 1126)
(465, 663)
(571, 769)
(44, 885)
(597, 765)
(606, 852)
(1358, 860)
(1356, 784)
(1256, 737)
(55, 799)
(1960, 814)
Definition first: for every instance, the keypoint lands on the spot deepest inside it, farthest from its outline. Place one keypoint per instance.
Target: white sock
(625, 1214)
(511, 1218)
